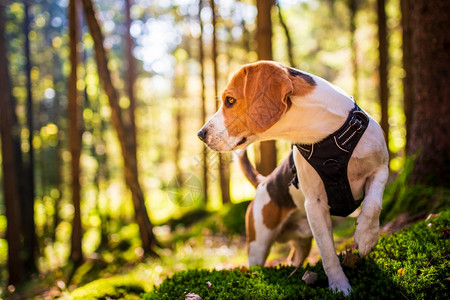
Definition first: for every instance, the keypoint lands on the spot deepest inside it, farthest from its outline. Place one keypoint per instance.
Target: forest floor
(204, 244)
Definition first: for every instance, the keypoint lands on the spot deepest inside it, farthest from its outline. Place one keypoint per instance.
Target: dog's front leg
(319, 219)
(368, 223)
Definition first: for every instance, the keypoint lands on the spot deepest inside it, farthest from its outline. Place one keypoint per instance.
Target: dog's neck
(314, 116)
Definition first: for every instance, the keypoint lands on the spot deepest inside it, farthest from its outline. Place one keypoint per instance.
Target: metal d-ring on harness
(330, 158)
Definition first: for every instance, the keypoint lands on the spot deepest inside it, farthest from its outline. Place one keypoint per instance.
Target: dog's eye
(229, 101)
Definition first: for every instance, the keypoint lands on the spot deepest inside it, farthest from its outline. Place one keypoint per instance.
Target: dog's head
(256, 98)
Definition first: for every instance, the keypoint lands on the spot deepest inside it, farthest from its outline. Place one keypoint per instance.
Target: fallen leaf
(350, 259)
(401, 271)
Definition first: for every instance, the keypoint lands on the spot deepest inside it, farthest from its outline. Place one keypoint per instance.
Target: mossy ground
(411, 264)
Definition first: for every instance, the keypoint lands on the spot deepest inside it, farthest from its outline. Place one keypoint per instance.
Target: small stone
(310, 277)
(192, 296)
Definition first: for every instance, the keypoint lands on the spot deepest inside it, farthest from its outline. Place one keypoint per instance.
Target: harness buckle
(356, 124)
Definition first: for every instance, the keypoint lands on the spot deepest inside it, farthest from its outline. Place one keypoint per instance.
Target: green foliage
(189, 218)
(234, 218)
(412, 263)
(231, 220)
(112, 288)
(401, 197)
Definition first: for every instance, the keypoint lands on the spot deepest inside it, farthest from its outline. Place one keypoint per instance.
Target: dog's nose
(202, 134)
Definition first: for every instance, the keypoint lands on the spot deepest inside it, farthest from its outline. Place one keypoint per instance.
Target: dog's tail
(248, 169)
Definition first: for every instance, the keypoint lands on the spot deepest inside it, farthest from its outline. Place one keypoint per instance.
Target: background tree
(131, 177)
(429, 134)
(383, 67)
(201, 58)
(10, 176)
(224, 158)
(268, 151)
(74, 116)
(28, 226)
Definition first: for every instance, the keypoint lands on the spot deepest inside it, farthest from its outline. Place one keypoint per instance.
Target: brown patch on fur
(250, 224)
(273, 214)
(261, 91)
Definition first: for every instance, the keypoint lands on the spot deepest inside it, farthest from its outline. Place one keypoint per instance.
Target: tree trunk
(383, 67)
(407, 66)
(289, 45)
(268, 151)
(203, 98)
(74, 120)
(353, 7)
(224, 158)
(131, 177)
(131, 79)
(10, 184)
(430, 134)
(28, 226)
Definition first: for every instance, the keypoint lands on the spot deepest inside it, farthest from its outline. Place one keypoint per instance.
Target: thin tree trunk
(131, 79)
(383, 67)
(10, 184)
(224, 158)
(407, 66)
(74, 116)
(28, 226)
(289, 45)
(59, 146)
(203, 98)
(268, 151)
(353, 6)
(131, 177)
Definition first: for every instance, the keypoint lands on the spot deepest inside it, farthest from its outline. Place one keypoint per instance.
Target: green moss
(413, 263)
(114, 288)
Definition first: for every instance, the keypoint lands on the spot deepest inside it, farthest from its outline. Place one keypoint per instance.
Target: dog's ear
(267, 87)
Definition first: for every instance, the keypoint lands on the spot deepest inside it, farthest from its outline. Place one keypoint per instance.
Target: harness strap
(330, 158)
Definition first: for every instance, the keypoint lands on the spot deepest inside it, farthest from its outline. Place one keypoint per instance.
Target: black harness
(330, 158)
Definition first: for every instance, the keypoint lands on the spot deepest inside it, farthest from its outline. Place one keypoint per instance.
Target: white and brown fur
(272, 216)
(266, 100)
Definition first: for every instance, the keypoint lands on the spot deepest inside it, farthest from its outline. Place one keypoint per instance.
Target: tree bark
(383, 67)
(429, 134)
(203, 98)
(28, 226)
(131, 177)
(74, 120)
(224, 158)
(268, 151)
(10, 184)
(407, 66)
(130, 81)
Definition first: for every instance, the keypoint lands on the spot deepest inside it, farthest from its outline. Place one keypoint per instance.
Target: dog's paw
(341, 285)
(366, 236)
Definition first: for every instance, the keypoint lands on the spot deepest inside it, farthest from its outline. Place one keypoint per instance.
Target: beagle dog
(266, 100)
(273, 215)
